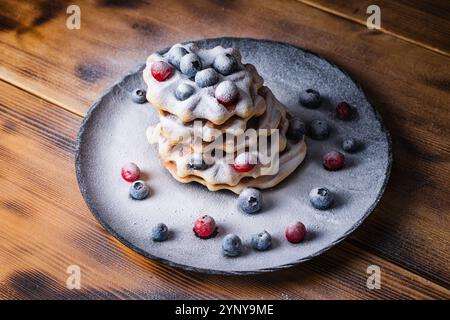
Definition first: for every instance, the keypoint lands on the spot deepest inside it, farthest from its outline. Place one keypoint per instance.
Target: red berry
(243, 168)
(161, 70)
(226, 93)
(205, 227)
(295, 233)
(244, 162)
(227, 102)
(333, 160)
(130, 172)
(343, 111)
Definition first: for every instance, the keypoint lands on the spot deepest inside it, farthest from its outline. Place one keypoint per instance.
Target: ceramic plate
(113, 133)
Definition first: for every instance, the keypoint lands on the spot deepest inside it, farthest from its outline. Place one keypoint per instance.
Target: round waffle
(214, 134)
(290, 159)
(202, 104)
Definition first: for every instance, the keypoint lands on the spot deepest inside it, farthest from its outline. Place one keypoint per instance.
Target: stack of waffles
(219, 125)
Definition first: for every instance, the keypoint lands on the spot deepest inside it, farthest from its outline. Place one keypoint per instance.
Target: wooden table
(49, 76)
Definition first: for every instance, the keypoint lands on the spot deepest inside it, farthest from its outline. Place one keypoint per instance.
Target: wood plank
(407, 83)
(422, 22)
(71, 67)
(46, 227)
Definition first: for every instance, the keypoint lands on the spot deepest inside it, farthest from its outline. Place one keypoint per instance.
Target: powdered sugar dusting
(202, 104)
(114, 133)
(226, 91)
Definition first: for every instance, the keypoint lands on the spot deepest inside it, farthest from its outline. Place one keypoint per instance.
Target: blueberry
(184, 91)
(225, 64)
(206, 78)
(139, 190)
(310, 98)
(350, 145)
(318, 129)
(196, 162)
(321, 198)
(175, 54)
(250, 200)
(138, 96)
(261, 241)
(190, 64)
(296, 129)
(160, 232)
(231, 245)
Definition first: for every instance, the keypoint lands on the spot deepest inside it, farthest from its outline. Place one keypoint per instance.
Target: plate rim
(170, 263)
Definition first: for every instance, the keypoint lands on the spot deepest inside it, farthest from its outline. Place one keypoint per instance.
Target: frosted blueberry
(160, 232)
(310, 98)
(225, 63)
(261, 241)
(250, 200)
(232, 245)
(138, 96)
(196, 162)
(190, 64)
(175, 54)
(321, 198)
(350, 145)
(184, 91)
(206, 78)
(296, 129)
(139, 190)
(318, 129)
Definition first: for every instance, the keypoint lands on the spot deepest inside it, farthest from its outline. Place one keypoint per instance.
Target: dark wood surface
(50, 75)
(424, 23)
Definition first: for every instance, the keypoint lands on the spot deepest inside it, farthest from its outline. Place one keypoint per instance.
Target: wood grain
(46, 227)
(71, 67)
(403, 81)
(423, 22)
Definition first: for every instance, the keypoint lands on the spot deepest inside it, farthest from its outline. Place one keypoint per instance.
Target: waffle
(289, 161)
(201, 127)
(203, 105)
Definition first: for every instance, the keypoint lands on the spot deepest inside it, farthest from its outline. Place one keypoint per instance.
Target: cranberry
(295, 233)
(205, 227)
(333, 160)
(244, 162)
(161, 71)
(227, 103)
(226, 93)
(343, 111)
(130, 172)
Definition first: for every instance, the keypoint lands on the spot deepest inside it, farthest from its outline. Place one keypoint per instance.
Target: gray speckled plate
(113, 133)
